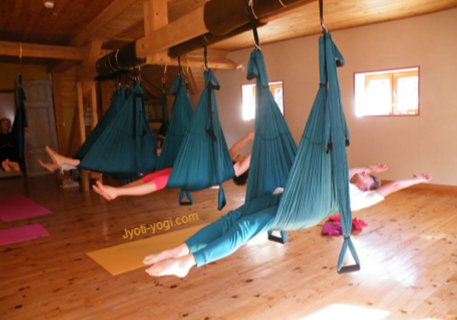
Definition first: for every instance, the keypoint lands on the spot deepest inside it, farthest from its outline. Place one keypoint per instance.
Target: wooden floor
(408, 253)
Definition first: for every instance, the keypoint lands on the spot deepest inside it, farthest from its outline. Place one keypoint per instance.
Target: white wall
(427, 143)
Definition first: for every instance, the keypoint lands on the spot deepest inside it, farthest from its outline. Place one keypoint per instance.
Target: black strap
(253, 22)
(210, 130)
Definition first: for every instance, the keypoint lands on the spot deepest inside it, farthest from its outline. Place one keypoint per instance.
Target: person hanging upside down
(224, 236)
(149, 183)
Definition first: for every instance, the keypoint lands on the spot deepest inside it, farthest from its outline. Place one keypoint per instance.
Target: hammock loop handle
(350, 268)
(189, 197)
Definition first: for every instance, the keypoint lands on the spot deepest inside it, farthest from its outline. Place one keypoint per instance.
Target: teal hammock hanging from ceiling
(180, 118)
(126, 147)
(203, 159)
(318, 184)
(273, 148)
(117, 102)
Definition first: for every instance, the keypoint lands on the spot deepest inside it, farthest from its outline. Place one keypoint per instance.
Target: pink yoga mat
(19, 207)
(23, 233)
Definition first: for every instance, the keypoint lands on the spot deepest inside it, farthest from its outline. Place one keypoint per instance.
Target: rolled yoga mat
(129, 256)
(19, 207)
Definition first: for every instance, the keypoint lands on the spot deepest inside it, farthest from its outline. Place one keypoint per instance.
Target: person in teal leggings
(224, 236)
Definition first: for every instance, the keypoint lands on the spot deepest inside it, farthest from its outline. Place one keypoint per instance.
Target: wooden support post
(94, 121)
(155, 17)
(93, 106)
(57, 95)
(82, 130)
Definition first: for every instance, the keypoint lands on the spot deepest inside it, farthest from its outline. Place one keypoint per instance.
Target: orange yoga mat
(129, 256)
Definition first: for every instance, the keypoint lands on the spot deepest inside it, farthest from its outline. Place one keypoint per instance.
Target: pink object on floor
(19, 207)
(23, 233)
(332, 226)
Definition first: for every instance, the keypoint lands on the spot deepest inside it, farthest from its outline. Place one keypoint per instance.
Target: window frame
(393, 74)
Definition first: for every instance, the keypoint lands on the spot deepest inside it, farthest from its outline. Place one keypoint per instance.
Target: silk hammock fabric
(273, 148)
(180, 118)
(20, 122)
(318, 184)
(117, 102)
(164, 127)
(203, 159)
(126, 148)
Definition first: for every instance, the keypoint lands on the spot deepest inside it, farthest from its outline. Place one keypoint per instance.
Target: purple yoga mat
(19, 207)
(23, 233)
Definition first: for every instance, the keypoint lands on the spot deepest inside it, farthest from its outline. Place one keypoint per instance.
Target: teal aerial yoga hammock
(318, 183)
(273, 149)
(203, 159)
(126, 148)
(117, 102)
(164, 127)
(20, 122)
(180, 119)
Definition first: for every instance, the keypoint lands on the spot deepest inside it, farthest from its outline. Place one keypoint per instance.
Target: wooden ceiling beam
(109, 14)
(193, 25)
(155, 17)
(41, 51)
(216, 63)
(185, 28)
(88, 70)
(64, 65)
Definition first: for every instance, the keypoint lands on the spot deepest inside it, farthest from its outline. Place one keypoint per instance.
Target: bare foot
(107, 192)
(15, 166)
(51, 167)
(55, 157)
(172, 267)
(176, 252)
(6, 165)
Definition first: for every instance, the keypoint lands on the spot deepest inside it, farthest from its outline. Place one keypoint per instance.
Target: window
(248, 98)
(387, 93)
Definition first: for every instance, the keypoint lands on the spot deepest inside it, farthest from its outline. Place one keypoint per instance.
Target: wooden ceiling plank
(155, 17)
(109, 14)
(8, 48)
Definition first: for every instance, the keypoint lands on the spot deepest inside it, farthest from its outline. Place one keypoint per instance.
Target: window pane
(407, 95)
(378, 97)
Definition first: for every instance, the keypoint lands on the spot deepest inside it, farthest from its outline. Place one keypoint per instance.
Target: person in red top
(152, 182)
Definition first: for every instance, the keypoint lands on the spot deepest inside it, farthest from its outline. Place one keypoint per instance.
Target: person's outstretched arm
(402, 184)
(371, 169)
(239, 145)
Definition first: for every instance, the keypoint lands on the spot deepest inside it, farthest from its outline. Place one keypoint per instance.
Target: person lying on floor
(9, 152)
(224, 236)
(151, 182)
